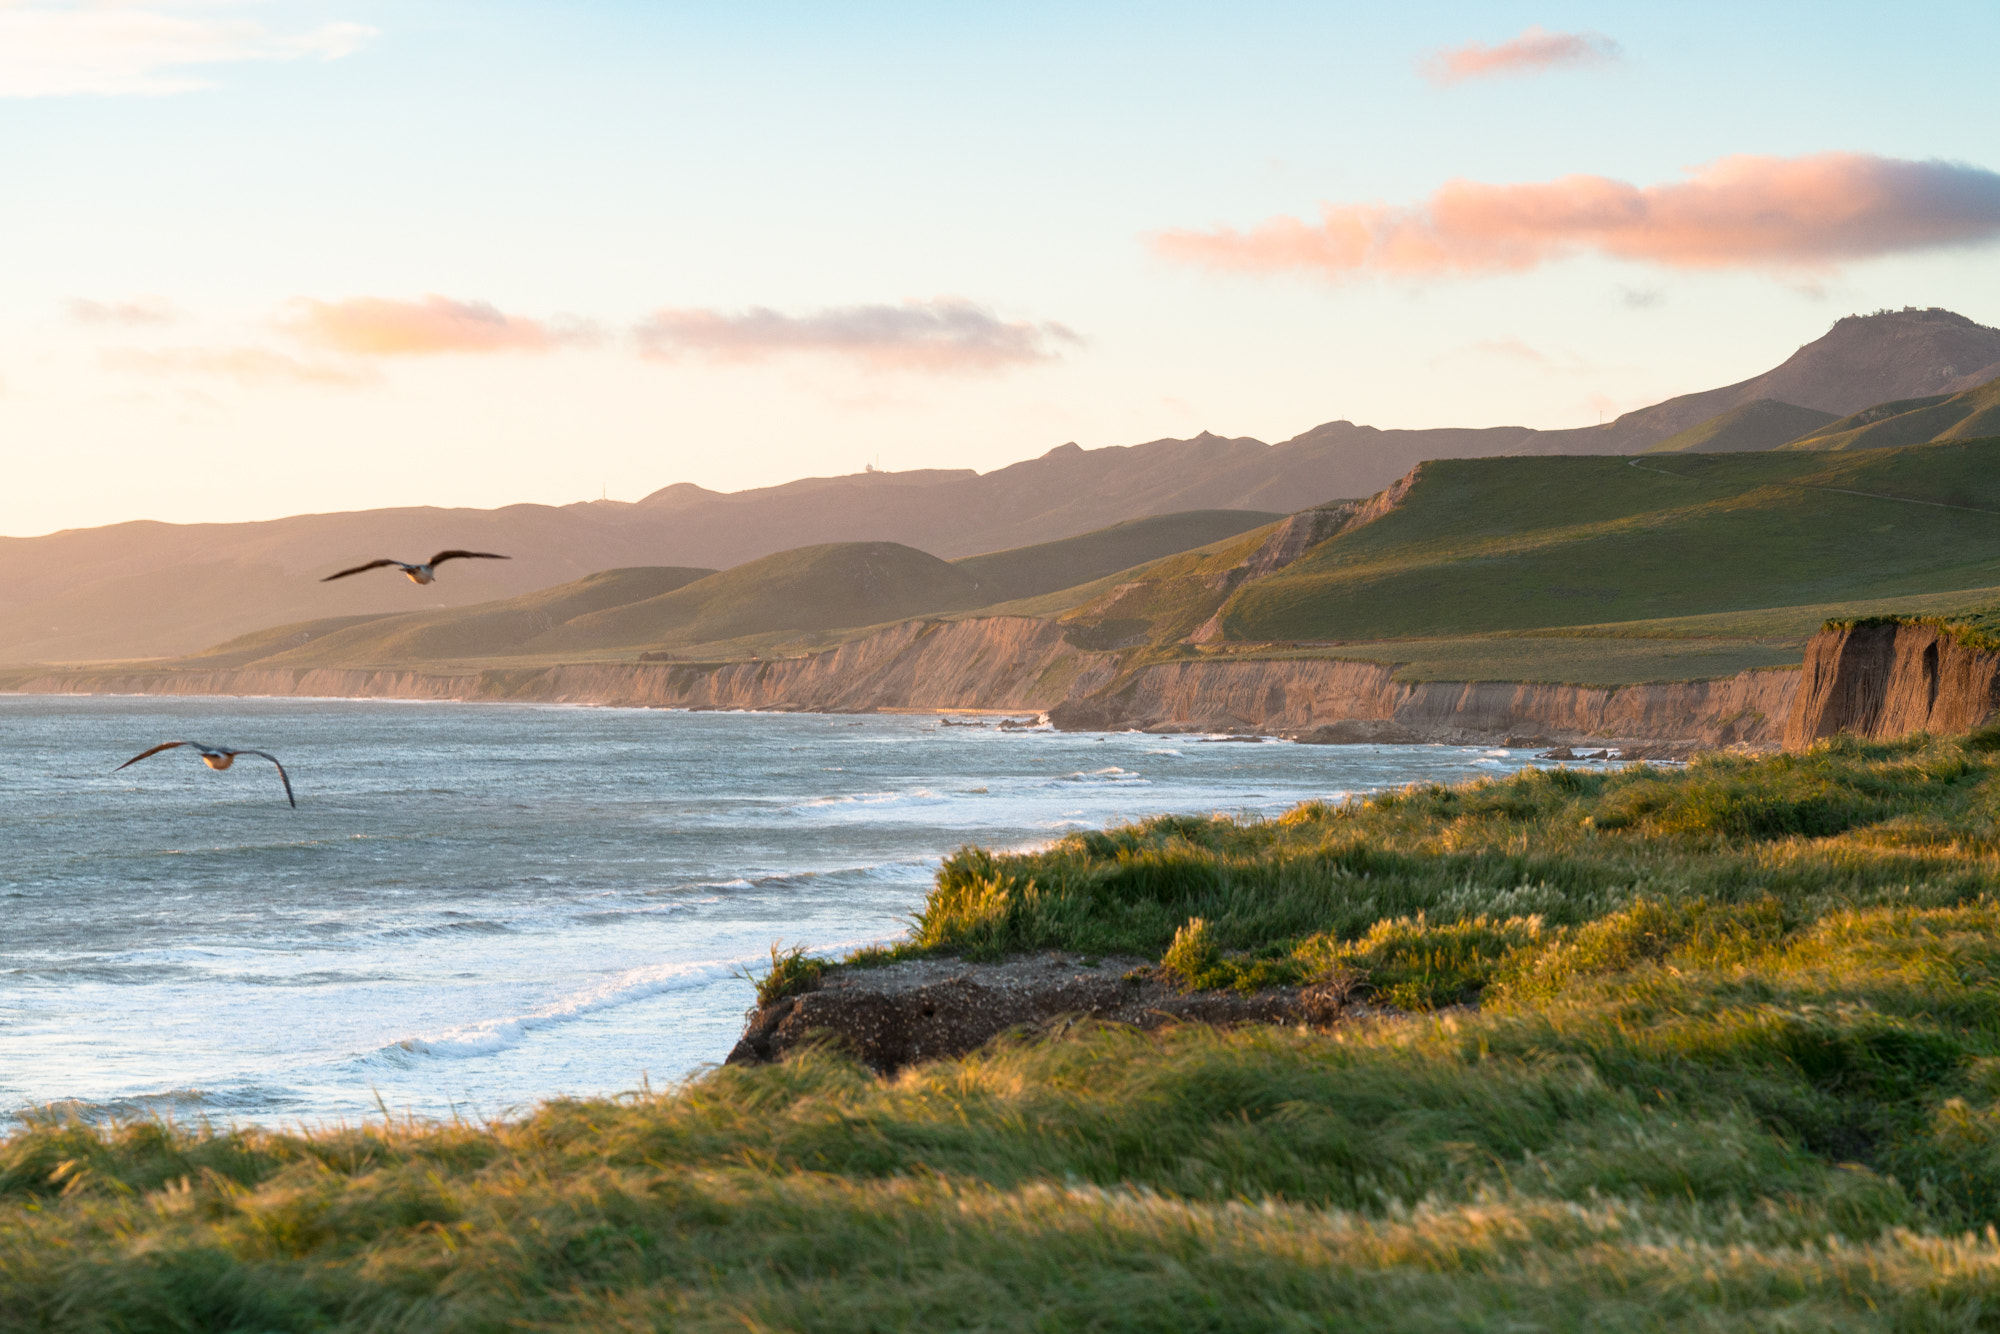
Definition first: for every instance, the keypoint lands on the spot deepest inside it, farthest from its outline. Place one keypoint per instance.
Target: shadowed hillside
(152, 589)
(1763, 423)
(812, 589)
(1967, 416)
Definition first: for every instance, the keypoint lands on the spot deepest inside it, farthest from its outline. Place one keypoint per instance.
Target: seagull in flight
(218, 757)
(419, 574)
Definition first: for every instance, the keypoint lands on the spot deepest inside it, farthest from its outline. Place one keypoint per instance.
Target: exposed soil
(926, 1009)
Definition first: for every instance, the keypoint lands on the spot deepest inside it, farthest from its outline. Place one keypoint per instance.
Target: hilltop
(153, 589)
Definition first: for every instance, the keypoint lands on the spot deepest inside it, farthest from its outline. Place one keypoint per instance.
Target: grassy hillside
(1763, 423)
(1488, 545)
(1716, 1049)
(1970, 415)
(810, 588)
(489, 629)
(1027, 572)
(797, 594)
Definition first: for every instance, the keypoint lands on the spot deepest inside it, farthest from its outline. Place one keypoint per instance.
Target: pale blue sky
(582, 166)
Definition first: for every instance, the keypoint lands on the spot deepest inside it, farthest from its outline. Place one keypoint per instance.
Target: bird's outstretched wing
(371, 565)
(164, 745)
(444, 556)
(283, 777)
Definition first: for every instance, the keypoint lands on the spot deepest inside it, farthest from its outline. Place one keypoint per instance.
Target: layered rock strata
(1333, 700)
(1883, 680)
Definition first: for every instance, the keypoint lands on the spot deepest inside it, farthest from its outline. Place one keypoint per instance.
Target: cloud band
(946, 334)
(1804, 213)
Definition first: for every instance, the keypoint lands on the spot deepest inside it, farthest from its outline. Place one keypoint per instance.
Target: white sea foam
(486, 1036)
(520, 924)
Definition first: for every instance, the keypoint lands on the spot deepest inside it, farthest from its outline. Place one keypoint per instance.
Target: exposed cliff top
(1977, 628)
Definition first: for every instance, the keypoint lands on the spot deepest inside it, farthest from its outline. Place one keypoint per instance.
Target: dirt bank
(1883, 680)
(927, 1009)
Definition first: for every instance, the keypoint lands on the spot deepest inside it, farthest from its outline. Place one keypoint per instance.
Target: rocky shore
(897, 1014)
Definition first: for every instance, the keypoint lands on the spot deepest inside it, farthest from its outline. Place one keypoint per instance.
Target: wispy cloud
(54, 48)
(145, 310)
(1512, 349)
(1535, 51)
(254, 366)
(374, 326)
(942, 335)
(1805, 214)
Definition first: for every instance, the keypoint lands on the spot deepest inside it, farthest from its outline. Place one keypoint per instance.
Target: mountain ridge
(151, 589)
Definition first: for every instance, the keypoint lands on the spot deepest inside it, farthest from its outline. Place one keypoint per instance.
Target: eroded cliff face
(1002, 662)
(1887, 680)
(1023, 664)
(1363, 701)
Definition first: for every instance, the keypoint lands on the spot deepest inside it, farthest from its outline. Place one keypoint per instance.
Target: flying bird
(419, 574)
(218, 757)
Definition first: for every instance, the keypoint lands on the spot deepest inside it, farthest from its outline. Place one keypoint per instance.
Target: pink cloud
(376, 326)
(945, 334)
(1800, 214)
(1533, 52)
(253, 366)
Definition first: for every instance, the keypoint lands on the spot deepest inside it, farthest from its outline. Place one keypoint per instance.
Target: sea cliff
(1886, 679)
(1018, 663)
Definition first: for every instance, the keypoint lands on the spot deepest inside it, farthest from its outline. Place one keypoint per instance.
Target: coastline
(1022, 664)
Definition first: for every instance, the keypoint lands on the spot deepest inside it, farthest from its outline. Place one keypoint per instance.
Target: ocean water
(476, 907)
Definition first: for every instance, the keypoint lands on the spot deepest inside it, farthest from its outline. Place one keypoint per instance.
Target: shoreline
(1018, 665)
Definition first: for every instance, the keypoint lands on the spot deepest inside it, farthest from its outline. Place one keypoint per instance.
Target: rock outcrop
(928, 1009)
(1886, 679)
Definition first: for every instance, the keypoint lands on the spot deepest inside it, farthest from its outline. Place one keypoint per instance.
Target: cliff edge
(1882, 679)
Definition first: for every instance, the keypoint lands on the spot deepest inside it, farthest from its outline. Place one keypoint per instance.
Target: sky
(269, 257)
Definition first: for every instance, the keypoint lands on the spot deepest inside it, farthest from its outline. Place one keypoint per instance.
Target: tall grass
(1734, 1064)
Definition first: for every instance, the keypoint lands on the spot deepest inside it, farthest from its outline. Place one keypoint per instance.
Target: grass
(1734, 1065)
(1964, 416)
(1488, 545)
(1050, 567)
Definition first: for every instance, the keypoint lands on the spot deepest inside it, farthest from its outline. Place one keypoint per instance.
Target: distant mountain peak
(1912, 315)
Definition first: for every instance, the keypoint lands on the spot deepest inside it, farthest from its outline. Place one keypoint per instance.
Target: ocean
(476, 907)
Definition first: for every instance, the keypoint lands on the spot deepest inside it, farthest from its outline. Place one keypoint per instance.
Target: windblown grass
(1734, 1065)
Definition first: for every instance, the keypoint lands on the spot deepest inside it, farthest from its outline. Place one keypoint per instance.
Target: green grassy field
(1713, 1049)
(1485, 545)
(1682, 648)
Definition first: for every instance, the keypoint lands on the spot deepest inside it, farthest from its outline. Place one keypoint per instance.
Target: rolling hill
(831, 586)
(154, 589)
(1970, 415)
(1762, 423)
(1479, 545)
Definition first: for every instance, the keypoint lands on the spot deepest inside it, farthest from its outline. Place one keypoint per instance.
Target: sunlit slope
(1971, 415)
(1027, 572)
(488, 629)
(824, 587)
(1763, 424)
(1482, 545)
